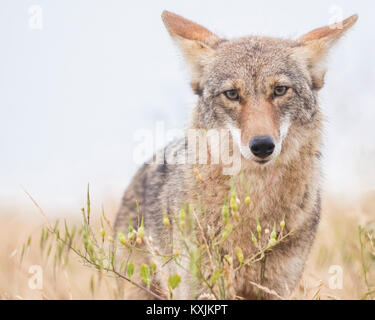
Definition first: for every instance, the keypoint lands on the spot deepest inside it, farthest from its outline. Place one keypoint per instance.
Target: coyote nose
(262, 146)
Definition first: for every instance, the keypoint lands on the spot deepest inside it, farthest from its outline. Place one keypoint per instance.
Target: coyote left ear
(315, 45)
(196, 42)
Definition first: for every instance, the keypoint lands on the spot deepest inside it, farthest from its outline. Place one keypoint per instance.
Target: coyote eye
(232, 95)
(280, 91)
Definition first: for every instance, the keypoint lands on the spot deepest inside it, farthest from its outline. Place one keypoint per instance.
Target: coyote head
(265, 87)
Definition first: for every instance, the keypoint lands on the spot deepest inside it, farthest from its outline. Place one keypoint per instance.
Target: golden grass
(336, 244)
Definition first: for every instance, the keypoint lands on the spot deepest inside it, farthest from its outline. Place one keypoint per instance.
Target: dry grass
(72, 281)
(337, 243)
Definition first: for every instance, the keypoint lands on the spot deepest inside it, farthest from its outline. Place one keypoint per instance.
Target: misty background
(77, 83)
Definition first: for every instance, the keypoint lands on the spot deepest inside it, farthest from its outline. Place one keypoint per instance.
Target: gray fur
(287, 187)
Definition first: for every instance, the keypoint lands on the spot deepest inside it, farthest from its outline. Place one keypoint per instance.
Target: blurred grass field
(337, 244)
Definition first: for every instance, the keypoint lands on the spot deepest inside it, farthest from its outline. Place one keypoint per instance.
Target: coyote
(264, 91)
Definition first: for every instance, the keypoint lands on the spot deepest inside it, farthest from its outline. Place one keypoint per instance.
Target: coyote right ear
(196, 42)
(315, 45)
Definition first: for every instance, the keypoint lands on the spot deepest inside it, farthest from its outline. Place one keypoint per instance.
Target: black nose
(262, 146)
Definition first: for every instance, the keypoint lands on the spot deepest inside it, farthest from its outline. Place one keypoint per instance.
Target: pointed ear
(196, 42)
(314, 47)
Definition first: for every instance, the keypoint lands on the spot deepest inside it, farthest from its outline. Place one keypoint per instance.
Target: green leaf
(73, 233)
(42, 240)
(121, 238)
(67, 234)
(153, 267)
(130, 269)
(182, 218)
(174, 280)
(29, 241)
(239, 254)
(145, 274)
(225, 213)
(215, 277)
(227, 231)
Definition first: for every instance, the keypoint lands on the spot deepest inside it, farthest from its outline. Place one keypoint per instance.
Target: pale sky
(73, 93)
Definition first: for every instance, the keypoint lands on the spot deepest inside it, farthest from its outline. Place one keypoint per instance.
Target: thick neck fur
(286, 186)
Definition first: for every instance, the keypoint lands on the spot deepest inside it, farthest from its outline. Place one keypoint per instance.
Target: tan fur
(184, 28)
(288, 185)
(333, 31)
(259, 119)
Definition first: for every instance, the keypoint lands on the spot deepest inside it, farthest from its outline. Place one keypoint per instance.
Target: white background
(73, 93)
